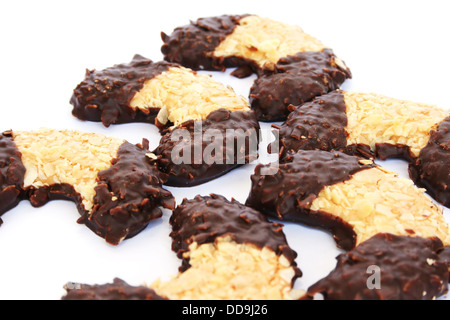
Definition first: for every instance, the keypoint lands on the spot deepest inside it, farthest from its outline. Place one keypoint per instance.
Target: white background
(397, 48)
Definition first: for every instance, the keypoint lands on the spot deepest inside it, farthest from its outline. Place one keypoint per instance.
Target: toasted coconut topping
(184, 95)
(375, 200)
(265, 41)
(228, 270)
(66, 157)
(374, 118)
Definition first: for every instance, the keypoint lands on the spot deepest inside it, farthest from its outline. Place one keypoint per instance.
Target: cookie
(296, 79)
(118, 290)
(192, 45)
(409, 268)
(373, 125)
(116, 187)
(198, 151)
(293, 67)
(147, 91)
(228, 251)
(107, 95)
(195, 114)
(349, 196)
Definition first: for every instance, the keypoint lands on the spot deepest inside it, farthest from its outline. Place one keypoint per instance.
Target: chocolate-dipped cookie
(118, 290)
(387, 267)
(107, 95)
(373, 125)
(293, 67)
(147, 91)
(199, 151)
(229, 251)
(115, 185)
(349, 196)
(195, 114)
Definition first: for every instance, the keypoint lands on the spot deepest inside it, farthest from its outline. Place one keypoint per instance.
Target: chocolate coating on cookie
(431, 169)
(180, 147)
(12, 173)
(318, 125)
(409, 269)
(444, 255)
(288, 194)
(136, 184)
(190, 45)
(118, 290)
(105, 95)
(204, 219)
(296, 79)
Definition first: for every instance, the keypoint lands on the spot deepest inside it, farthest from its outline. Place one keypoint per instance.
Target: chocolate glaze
(320, 124)
(12, 173)
(444, 255)
(431, 169)
(137, 183)
(133, 178)
(411, 269)
(204, 219)
(192, 45)
(106, 95)
(296, 79)
(41, 196)
(288, 194)
(118, 290)
(247, 129)
(386, 151)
